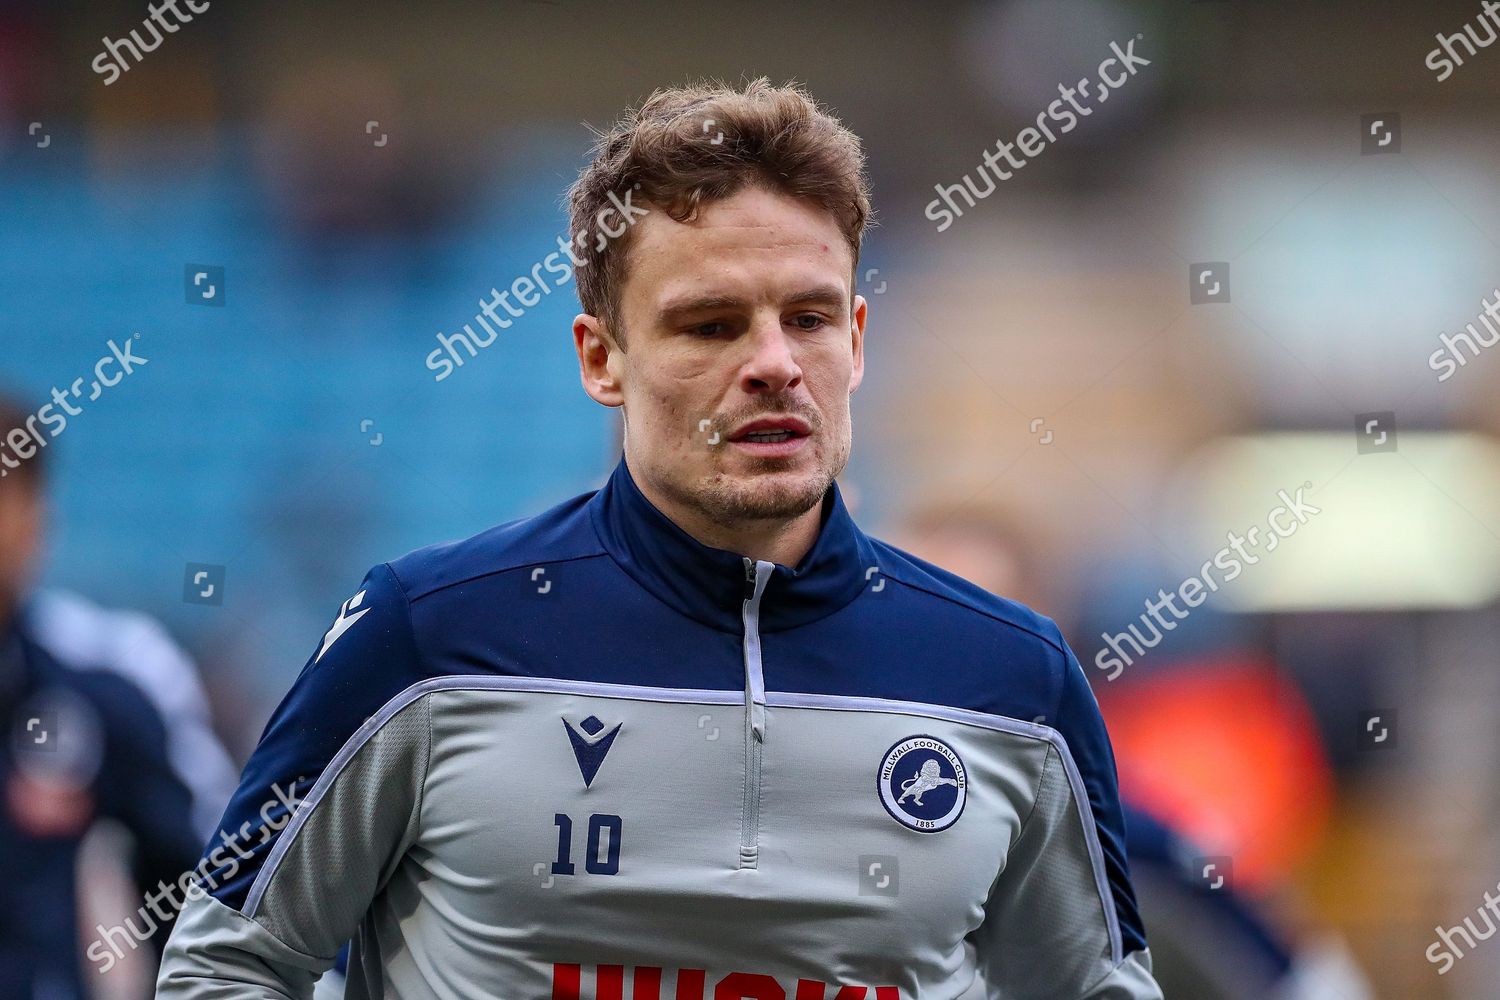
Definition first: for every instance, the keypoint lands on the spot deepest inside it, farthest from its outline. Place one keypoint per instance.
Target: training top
(583, 755)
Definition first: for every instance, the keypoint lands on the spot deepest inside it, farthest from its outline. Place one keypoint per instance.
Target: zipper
(757, 575)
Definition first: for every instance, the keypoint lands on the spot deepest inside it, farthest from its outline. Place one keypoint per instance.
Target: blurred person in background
(1209, 940)
(104, 719)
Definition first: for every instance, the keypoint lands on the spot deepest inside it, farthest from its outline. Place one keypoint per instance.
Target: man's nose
(771, 366)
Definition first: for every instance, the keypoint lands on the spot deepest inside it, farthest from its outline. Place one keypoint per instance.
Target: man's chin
(763, 494)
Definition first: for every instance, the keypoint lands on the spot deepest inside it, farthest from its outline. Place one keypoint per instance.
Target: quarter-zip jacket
(583, 755)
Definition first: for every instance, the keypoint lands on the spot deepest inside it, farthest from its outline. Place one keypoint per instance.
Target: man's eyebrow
(828, 294)
(699, 303)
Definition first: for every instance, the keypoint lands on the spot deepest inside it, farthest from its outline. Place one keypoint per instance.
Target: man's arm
(1061, 921)
(325, 810)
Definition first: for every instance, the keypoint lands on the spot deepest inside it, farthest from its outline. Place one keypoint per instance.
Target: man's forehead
(751, 219)
(740, 242)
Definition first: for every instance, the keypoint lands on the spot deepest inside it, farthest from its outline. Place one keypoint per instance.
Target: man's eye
(816, 321)
(708, 329)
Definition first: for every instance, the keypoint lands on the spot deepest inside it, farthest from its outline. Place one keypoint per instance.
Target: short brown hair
(662, 153)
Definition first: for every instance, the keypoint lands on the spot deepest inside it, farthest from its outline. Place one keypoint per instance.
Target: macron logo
(590, 745)
(343, 624)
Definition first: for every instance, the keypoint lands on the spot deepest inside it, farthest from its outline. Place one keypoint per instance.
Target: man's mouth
(770, 430)
(771, 437)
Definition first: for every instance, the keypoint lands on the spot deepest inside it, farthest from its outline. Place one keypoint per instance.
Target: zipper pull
(749, 577)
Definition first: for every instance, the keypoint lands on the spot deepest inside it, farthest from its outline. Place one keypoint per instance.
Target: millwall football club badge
(923, 784)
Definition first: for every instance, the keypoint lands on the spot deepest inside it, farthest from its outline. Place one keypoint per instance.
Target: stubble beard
(761, 495)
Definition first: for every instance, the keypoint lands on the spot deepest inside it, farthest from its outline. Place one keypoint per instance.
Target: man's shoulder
(942, 591)
(405, 622)
(77, 676)
(101, 646)
(85, 635)
(999, 656)
(561, 533)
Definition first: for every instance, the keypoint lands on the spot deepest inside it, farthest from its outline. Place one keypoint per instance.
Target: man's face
(745, 314)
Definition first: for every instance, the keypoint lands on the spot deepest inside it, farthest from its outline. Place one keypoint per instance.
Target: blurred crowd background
(1045, 408)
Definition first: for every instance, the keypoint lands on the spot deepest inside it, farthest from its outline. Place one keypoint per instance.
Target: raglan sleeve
(1061, 921)
(326, 808)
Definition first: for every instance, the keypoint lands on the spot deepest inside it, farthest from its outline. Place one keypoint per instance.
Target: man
(103, 718)
(695, 731)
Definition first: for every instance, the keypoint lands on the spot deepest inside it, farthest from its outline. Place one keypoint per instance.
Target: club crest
(923, 784)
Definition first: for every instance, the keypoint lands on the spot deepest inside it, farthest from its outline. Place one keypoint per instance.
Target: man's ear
(857, 338)
(600, 361)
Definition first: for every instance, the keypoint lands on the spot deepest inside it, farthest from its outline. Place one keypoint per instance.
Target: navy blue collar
(708, 584)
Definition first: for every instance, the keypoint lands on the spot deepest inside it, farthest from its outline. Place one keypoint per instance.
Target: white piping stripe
(700, 696)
